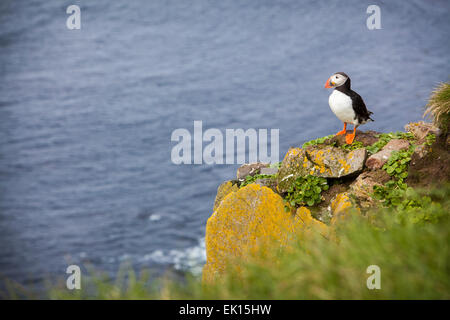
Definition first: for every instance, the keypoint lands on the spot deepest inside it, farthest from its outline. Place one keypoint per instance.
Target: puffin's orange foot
(343, 131)
(349, 138)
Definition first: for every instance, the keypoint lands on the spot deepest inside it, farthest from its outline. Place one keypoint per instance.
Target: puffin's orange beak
(329, 84)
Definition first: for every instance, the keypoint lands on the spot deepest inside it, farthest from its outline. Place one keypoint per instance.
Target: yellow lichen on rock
(341, 203)
(246, 222)
(320, 161)
(223, 190)
(341, 206)
(308, 224)
(345, 165)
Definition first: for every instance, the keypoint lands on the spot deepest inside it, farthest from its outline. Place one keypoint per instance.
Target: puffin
(346, 104)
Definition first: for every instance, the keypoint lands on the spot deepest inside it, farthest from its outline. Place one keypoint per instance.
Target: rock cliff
(315, 187)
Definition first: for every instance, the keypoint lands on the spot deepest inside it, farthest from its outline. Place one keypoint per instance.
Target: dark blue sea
(86, 116)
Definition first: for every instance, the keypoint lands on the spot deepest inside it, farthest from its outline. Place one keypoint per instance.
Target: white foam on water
(154, 217)
(190, 259)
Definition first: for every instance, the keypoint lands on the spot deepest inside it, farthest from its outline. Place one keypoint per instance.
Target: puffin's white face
(335, 80)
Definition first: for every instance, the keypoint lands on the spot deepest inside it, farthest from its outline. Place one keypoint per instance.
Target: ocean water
(86, 115)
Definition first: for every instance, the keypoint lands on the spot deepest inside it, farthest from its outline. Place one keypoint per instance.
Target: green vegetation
(317, 141)
(355, 145)
(126, 285)
(397, 165)
(394, 192)
(384, 138)
(439, 107)
(251, 179)
(430, 139)
(276, 165)
(422, 208)
(410, 246)
(306, 191)
(391, 194)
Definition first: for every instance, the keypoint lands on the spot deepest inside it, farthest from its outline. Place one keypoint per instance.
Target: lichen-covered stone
(325, 161)
(308, 224)
(363, 187)
(224, 189)
(421, 129)
(269, 171)
(341, 206)
(267, 182)
(250, 169)
(377, 160)
(246, 221)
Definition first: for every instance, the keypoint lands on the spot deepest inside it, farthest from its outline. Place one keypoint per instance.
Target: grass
(410, 245)
(439, 107)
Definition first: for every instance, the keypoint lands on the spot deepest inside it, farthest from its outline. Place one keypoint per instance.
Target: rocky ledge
(314, 188)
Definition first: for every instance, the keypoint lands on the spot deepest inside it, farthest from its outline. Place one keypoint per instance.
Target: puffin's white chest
(341, 105)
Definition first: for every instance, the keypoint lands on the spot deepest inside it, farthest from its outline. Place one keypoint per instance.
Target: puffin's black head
(337, 80)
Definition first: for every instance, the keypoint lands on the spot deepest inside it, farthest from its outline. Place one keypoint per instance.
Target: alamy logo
(74, 280)
(374, 281)
(74, 20)
(373, 21)
(219, 150)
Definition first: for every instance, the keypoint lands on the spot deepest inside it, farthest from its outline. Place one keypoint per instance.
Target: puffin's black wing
(359, 107)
